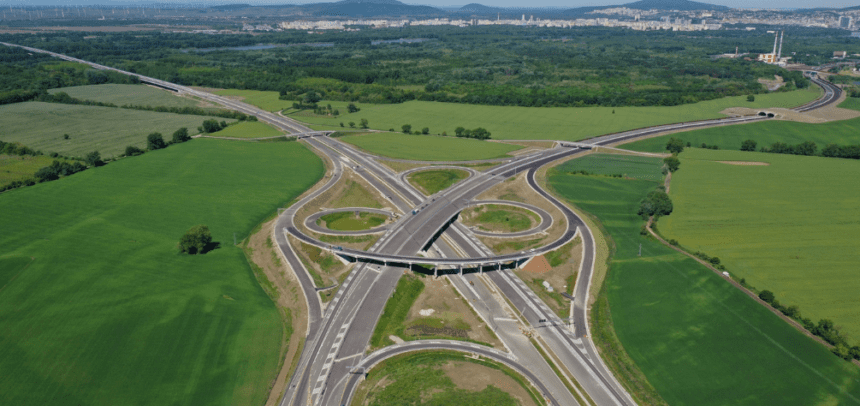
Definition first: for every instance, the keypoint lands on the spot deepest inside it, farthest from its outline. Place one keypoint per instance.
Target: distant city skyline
(761, 4)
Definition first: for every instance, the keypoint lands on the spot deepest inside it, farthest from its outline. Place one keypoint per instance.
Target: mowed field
(108, 130)
(555, 123)
(248, 129)
(429, 148)
(764, 133)
(697, 339)
(138, 95)
(791, 227)
(108, 312)
(14, 167)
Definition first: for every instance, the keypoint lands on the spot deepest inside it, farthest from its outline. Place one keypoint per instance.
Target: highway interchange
(338, 335)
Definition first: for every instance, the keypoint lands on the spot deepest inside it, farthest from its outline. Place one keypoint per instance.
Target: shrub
(675, 145)
(94, 159)
(155, 141)
(131, 150)
(673, 163)
(750, 98)
(406, 128)
(767, 296)
(425, 130)
(196, 240)
(181, 135)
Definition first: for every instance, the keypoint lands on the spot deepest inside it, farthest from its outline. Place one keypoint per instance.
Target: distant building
(840, 54)
(767, 58)
(855, 34)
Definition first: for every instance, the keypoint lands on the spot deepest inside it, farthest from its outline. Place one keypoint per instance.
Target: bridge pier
(436, 272)
(460, 269)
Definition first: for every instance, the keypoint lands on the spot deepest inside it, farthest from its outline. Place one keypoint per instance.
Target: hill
(681, 5)
(369, 8)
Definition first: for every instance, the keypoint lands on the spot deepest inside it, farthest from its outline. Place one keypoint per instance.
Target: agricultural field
(137, 95)
(789, 227)
(688, 330)
(248, 129)
(763, 133)
(109, 130)
(346, 221)
(433, 181)
(444, 378)
(96, 302)
(429, 148)
(557, 123)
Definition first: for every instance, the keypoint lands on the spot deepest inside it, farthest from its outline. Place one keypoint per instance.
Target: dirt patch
(450, 316)
(772, 84)
(517, 189)
(559, 269)
(281, 285)
(538, 265)
(745, 163)
(475, 377)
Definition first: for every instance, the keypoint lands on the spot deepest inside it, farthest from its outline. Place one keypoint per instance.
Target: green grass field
(627, 166)
(790, 227)
(265, 100)
(109, 312)
(346, 221)
(496, 217)
(698, 340)
(14, 167)
(851, 103)
(436, 180)
(765, 133)
(138, 95)
(248, 129)
(392, 321)
(429, 148)
(556, 123)
(417, 379)
(105, 129)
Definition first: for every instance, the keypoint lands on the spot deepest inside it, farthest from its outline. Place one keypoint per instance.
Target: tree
(748, 145)
(425, 130)
(767, 296)
(751, 98)
(341, 123)
(155, 141)
(47, 173)
(131, 150)
(406, 128)
(66, 136)
(94, 159)
(480, 133)
(352, 108)
(672, 162)
(656, 203)
(807, 148)
(364, 123)
(211, 126)
(181, 135)
(459, 131)
(311, 98)
(675, 145)
(196, 240)
(352, 124)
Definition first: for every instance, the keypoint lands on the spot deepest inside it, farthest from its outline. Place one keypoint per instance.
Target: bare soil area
(561, 277)
(283, 287)
(441, 311)
(474, 377)
(517, 189)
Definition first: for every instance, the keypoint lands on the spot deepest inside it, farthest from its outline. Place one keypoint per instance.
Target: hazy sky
(498, 3)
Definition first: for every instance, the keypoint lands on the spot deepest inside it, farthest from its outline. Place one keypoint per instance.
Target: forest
(511, 66)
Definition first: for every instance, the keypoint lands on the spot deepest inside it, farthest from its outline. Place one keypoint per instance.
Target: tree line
(806, 148)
